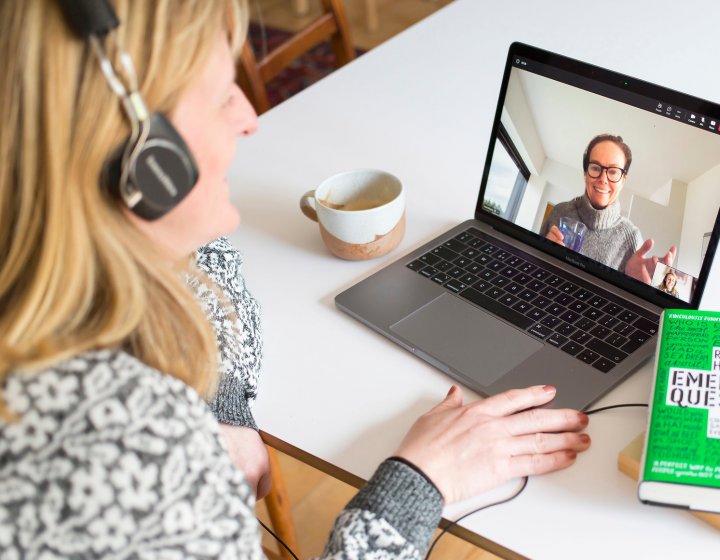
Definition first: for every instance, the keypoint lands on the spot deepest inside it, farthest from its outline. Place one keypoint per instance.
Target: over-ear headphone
(154, 169)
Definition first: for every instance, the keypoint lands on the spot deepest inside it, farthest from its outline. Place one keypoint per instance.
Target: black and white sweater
(110, 458)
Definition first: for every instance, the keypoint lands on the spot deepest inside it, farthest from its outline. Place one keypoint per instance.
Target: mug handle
(307, 206)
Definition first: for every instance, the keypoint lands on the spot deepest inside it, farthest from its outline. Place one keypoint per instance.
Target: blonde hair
(75, 274)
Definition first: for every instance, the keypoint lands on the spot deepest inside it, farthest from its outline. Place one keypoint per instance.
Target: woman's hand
(554, 234)
(467, 449)
(248, 453)
(641, 267)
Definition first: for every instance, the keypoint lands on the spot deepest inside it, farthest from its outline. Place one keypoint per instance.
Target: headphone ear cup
(161, 174)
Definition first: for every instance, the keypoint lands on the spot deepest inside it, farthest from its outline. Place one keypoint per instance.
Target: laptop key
(569, 316)
(444, 253)
(429, 258)
(539, 330)
(646, 325)
(549, 292)
(500, 281)
(536, 314)
(535, 285)
(522, 278)
(568, 287)
(603, 364)
(541, 302)
(455, 286)
(527, 268)
(508, 299)
(481, 285)
(444, 266)
(593, 314)
(604, 349)
(440, 278)
(623, 328)
(597, 301)
(584, 324)
(527, 295)
(555, 309)
(550, 321)
(565, 329)
(556, 339)
(581, 337)
(514, 289)
(461, 261)
(454, 245)
(553, 281)
(494, 292)
(578, 306)
(587, 356)
(456, 272)
(608, 321)
(583, 295)
(616, 340)
(522, 307)
(563, 299)
(468, 279)
(474, 268)
(429, 271)
(638, 336)
(627, 316)
(415, 265)
(571, 347)
(600, 332)
(612, 309)
(488, 303)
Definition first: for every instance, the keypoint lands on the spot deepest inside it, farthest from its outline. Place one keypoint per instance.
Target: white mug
(361, 213)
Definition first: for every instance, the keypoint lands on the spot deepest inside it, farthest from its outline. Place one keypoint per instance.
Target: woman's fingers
(528, 465)
(546, 420)
(515, 400)
(546, 443)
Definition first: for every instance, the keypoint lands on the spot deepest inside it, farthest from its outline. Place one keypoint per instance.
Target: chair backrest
(253, 73)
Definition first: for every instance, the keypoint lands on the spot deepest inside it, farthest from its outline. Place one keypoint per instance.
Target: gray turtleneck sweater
(611, 239)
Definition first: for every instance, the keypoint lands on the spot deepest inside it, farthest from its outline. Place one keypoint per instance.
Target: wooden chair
(278, 507)
(254, 74)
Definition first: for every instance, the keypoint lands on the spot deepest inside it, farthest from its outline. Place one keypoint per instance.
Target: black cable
(604, 408)
(456, 521)
(525, 480)
(278, 539)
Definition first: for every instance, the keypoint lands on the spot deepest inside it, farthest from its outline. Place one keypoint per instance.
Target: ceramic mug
(361, 213)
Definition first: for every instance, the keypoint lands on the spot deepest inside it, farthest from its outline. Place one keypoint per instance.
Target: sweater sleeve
(235, 317)
(393, 516)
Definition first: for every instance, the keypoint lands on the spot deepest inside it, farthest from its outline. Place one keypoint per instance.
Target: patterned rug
(304, 71)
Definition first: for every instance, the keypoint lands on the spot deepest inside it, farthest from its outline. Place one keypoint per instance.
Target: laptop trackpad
(466, 338)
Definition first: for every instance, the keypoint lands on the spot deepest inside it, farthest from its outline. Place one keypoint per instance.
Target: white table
(421, 106)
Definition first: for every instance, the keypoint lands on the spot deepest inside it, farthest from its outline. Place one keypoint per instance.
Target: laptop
(496, 302)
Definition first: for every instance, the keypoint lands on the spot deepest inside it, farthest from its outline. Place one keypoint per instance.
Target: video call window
(670, 192)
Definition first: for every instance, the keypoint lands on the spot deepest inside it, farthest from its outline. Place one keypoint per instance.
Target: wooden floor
(317, 499)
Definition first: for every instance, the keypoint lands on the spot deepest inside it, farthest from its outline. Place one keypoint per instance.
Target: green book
(681, 456)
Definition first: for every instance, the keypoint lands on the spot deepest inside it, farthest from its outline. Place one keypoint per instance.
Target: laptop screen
(615, 175)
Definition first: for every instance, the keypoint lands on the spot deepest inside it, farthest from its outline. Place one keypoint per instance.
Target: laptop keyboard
(590, 324)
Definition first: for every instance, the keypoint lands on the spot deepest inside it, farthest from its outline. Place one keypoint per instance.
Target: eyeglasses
(614, 174)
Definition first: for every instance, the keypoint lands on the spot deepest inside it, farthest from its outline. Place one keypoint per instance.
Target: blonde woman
(107, 446)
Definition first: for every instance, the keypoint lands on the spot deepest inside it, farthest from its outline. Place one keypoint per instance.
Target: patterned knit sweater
(110, 458)
(611, 239)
